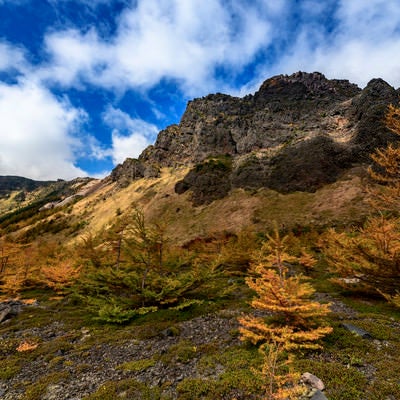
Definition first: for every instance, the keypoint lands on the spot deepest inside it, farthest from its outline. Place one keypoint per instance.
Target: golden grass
(341, 201)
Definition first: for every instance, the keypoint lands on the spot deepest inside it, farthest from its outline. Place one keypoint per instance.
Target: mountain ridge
(296, 133)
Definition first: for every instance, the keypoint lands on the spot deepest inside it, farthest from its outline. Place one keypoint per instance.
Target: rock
(52, 392)
(370, 107)
(132, 169)
(172, 331)
(312, 381)
(9, 309)
(357, 331)
(308, 166)
(296, 133)
(318, 395)
(5, 313)
(208, 181)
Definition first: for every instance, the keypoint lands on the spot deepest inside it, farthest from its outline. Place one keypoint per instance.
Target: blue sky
(86, 83)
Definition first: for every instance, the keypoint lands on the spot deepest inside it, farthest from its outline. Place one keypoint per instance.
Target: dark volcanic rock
(11, 308)
(208, 181)
(251, 173)
(309, 165)
(370, 108)
(132, 169)
(297, 132)
(305, 86)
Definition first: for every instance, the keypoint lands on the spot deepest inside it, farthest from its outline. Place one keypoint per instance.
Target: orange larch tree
(292, 319)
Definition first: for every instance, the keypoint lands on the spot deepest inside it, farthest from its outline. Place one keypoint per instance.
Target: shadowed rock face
(297, 132)
(132, 169)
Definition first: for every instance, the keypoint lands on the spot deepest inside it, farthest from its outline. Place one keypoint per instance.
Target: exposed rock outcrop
(296, 133)
(132, 169)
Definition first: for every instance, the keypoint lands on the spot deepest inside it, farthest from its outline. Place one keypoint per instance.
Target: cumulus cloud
(361, 45)
(129, 135)
(190, 41)
(37, 133)
(182, 40)
(200, 46)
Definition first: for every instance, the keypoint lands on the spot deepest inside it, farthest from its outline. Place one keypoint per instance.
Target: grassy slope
(338, 203)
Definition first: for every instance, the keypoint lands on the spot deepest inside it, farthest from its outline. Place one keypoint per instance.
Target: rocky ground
(63, 359)
(88, 364)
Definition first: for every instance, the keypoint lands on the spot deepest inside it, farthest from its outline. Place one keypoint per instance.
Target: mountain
(296, 133)
(77, 256)
(294, 152)
(10, 184)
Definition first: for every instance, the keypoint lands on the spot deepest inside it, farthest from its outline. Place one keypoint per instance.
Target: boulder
(313, 381)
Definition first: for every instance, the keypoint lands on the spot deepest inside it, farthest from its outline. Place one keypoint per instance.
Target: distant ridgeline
(15, 183)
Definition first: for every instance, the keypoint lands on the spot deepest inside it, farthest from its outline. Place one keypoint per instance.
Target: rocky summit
(296, 133)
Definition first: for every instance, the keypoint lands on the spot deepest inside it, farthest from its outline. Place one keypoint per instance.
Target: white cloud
(129, 135)
(189, 40)
(36, 133)
(183, 40)
(73, 56)
(362, 45)
(11, 58)
(186, 42)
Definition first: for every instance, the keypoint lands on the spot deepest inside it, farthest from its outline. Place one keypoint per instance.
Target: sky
(84, 84)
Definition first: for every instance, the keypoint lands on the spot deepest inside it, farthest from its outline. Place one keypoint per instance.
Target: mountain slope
(295, 152)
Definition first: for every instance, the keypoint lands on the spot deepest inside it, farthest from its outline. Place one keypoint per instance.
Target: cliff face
(296, 133)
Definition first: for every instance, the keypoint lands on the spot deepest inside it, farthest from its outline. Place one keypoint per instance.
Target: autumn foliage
(291, 321)
(368, 258)
(386, 168)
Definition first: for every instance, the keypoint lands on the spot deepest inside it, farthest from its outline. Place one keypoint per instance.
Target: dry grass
(341, 201)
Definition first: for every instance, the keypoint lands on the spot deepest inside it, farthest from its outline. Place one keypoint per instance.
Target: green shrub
(137, 365)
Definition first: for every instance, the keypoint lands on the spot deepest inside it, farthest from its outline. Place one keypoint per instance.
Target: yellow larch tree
(386, 168)
(60, 275)
(368, 258)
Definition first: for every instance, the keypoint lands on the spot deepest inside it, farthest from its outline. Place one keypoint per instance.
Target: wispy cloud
(12, 58)
(361, 44)
(200, 46)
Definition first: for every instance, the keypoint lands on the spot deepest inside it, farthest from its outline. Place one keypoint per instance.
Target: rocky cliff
(296, 133)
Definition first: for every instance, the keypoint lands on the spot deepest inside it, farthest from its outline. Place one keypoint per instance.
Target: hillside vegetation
(184, 276)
